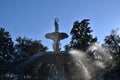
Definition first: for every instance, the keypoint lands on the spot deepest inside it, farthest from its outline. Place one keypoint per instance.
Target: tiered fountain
(74, 65)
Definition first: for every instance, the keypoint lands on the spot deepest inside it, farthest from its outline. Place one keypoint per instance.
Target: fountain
(74, 65)
(71, 65)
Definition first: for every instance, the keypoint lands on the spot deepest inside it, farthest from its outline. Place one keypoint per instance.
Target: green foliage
(6, 47)
(112, 43)
(29, 46)
(81, 35)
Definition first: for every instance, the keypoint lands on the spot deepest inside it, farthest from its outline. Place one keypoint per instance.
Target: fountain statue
(56, 25)
(56, 36)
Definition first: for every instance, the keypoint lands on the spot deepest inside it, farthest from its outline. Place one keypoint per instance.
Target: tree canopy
(29, 46)
(6, 47)
(112, 43)
(81, 35)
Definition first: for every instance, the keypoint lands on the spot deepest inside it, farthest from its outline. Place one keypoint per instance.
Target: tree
(29, 46)
(112, 43)
(6, 47)
(81, 35)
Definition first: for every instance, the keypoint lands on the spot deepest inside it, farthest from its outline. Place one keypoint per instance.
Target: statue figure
(56, 24)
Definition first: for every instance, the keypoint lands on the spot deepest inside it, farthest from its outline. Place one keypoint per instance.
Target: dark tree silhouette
(6, 47)
(29, 46)
(112, 43)
(81, 35)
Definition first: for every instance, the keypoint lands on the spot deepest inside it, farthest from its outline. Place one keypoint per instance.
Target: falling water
(76, 65)
(91, 66)
(79, 58)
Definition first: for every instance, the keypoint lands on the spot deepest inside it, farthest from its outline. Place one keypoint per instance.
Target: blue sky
(34, 18)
